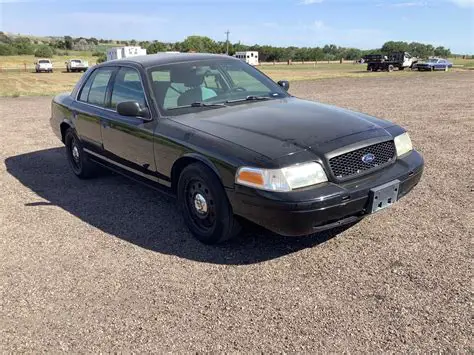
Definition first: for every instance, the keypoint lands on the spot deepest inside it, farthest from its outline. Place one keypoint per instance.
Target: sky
(364, 24)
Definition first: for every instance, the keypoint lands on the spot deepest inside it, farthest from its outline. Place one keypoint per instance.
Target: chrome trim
(149, 177)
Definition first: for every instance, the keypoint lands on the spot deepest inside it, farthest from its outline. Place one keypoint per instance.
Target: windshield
(76, 61)
(43, 61)
(432, 60)
(212, 83)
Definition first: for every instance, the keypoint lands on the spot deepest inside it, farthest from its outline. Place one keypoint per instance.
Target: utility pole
(227, 42)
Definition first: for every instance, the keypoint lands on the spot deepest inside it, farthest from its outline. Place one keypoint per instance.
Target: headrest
(190, 76)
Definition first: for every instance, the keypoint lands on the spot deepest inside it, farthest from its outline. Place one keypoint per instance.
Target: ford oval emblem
(368, 158)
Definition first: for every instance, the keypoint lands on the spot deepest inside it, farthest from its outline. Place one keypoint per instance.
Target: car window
(95, 88)
(127, 87)
(243, 79)
(179, 85)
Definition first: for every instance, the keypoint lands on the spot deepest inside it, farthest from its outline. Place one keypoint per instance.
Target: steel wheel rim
(75, 155)
(200, 205)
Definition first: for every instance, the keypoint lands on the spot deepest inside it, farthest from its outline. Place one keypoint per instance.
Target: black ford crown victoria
(232, 144)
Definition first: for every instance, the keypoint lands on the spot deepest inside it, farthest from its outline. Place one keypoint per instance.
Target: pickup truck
(44, 65)
(76, 65)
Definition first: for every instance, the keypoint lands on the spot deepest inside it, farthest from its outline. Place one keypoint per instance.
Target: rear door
(90, 107)
(128, 141)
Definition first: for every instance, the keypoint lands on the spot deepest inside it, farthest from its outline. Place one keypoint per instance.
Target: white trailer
(250, 57)
(124, 52)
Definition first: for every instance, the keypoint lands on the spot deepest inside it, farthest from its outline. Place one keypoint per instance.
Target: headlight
(403, 144)
(285, 179)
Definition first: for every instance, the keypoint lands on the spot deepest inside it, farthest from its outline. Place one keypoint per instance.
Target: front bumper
(329, 205)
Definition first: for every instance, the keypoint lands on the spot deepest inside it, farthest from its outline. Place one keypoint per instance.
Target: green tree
(7, 49)
(393, 46)
(156, 47)
(44, 52)
(442, 52)
(23, 45)
(68, 42)
(199, 44)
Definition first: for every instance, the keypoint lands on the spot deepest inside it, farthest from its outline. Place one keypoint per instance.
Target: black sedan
(233, 145)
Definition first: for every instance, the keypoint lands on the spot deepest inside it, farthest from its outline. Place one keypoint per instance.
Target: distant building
(124, 52)
(250, 57)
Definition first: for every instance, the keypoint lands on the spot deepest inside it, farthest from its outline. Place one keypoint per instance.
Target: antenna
(227, 42)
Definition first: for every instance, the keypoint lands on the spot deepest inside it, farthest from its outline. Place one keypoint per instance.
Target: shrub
(7, 49)
(102, 58)
(44, 52)
(97, 54)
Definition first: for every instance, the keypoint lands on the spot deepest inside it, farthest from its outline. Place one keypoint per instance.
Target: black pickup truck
(231, 144)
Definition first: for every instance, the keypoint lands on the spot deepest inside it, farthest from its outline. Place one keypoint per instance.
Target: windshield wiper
(250, 98)
(199, 104)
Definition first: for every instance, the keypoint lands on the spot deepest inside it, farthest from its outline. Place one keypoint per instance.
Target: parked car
(231, 144)
(44, 65)
(434, 64)
(76, 65)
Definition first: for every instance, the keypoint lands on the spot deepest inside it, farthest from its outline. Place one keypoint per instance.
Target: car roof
(152, 60)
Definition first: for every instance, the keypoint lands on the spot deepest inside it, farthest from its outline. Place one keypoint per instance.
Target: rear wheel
(204, 205)
(390, 68)
(77, 158)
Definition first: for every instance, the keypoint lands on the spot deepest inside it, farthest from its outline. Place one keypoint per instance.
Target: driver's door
(128, 141)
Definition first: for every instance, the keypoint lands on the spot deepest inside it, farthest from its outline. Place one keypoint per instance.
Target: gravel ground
(107, 265)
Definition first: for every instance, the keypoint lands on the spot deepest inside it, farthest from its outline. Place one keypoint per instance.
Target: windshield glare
(179, 85)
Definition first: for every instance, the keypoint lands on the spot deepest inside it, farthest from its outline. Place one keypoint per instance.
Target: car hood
(279, 127)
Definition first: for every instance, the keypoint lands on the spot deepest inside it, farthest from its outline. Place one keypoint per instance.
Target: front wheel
(446, 68)
(204, 205)
(77, 158)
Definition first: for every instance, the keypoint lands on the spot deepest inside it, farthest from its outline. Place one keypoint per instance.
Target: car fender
(203, 159)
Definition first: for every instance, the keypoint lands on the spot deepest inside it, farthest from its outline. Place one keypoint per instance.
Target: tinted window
(127, 87)
(95, 88)
(86, 88)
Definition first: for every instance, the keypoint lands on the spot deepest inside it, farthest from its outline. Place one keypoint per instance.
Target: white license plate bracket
(383, 196)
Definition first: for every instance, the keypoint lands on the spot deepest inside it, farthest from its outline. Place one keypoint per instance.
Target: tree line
(24, 45)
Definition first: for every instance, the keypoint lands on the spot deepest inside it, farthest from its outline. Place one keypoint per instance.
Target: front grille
(350, 164)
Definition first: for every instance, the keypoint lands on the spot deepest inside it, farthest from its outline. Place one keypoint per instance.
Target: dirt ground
(107, 265)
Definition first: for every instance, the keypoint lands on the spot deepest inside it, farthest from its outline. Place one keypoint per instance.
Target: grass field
(18, 83)
(18, 61)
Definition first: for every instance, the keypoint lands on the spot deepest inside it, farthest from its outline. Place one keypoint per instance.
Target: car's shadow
(139, 215)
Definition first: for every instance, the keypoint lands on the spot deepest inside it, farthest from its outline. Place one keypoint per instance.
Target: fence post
(24, 64)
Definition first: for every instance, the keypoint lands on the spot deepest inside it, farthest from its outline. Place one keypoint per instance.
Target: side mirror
(132, 109)
(284, 84)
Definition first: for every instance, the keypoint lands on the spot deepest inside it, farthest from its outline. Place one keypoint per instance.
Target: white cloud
(310, 2)
(410, 4)
(464, 3)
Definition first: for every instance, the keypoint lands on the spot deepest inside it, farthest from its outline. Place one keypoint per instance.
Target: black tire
(80, 164)
(432, 69)
(204, 205)
(67, 69)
